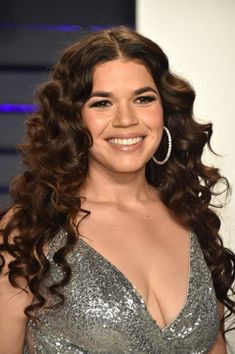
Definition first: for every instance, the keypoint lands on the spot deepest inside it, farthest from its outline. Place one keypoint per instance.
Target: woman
(111, 244)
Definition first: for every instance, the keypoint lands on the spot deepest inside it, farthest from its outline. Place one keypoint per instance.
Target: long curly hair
(55, 158)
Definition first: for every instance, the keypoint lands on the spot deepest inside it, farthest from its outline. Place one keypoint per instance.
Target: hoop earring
(169, 148)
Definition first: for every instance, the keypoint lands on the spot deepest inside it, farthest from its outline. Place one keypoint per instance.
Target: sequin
(104, 313)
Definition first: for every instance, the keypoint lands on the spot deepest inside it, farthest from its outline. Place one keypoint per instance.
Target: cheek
(90, 121)
(154, 118)
(159, 112)
(95, 126)
(159, 117)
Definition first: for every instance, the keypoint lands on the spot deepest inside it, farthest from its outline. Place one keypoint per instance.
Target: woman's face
(124, 116)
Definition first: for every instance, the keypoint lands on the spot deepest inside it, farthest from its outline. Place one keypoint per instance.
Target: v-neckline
(137, 293)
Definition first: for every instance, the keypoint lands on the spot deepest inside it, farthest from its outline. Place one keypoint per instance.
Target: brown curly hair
(55, 155)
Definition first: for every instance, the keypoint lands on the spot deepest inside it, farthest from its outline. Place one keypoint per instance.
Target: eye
(101, 104)
(145, 99)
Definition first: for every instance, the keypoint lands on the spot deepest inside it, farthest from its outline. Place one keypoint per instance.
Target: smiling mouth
(126, 141)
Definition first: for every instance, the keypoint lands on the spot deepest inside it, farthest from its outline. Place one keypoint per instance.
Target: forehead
(122, 72)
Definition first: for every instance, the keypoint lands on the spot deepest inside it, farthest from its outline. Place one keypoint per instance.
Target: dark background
(32, 34)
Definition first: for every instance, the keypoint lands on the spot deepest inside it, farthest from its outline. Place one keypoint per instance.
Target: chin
(127, 169)
(118, 166)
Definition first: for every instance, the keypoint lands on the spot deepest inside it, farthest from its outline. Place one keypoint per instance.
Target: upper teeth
(129, 141)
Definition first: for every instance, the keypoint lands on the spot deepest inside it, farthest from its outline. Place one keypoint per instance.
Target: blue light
(42, 27)
(17, 108)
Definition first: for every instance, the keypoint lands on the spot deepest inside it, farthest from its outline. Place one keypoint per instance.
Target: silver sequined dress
(104, 313)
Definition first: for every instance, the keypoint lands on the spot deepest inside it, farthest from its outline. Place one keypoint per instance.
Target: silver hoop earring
(169, 148)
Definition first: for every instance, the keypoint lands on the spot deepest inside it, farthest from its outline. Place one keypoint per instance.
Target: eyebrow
(145, 89)
(136, 92)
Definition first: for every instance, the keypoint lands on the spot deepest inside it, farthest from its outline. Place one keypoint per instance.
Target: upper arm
(219, 346)
(13, 301)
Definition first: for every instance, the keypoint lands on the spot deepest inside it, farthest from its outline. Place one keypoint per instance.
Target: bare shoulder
(13, 301)
(219, 346)
(10, 295)
(7, 257)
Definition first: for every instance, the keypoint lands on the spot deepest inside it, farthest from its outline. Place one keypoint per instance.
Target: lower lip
(126, 148)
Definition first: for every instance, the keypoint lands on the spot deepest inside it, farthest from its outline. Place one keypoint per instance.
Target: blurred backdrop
(32, 34)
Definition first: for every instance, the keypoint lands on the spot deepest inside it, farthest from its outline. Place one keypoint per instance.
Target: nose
(124, 116)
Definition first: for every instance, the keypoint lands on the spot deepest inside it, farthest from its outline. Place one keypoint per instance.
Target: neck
(119, 188)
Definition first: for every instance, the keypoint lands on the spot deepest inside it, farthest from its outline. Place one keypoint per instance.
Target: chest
(152, 252)
(104, 313)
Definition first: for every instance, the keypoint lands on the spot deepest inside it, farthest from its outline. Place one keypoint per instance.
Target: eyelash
(100, 104)
(146, 99)
(142, 100)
